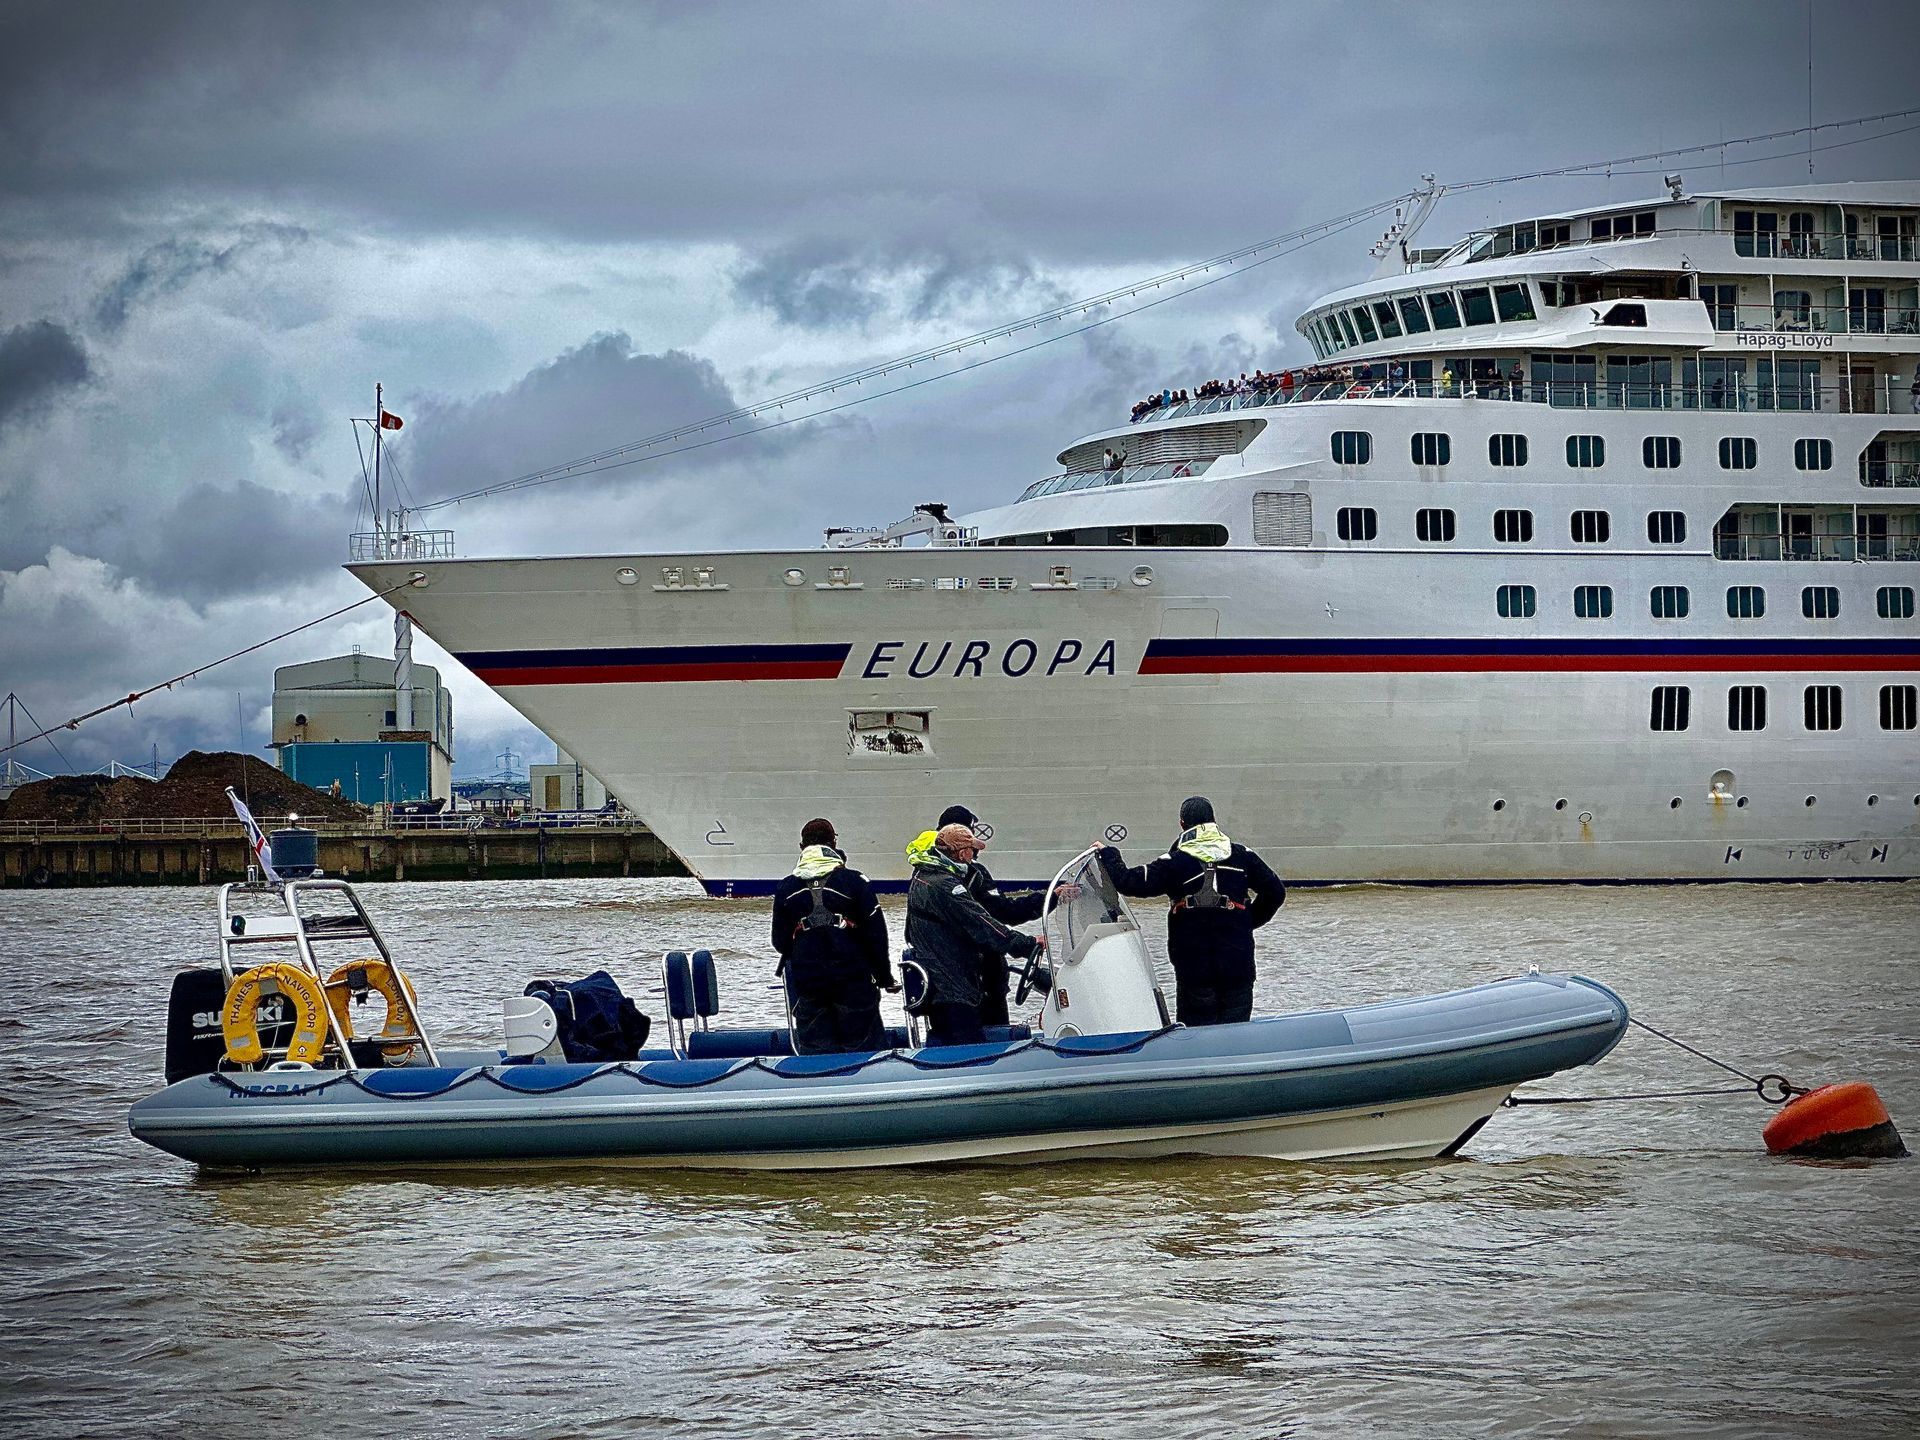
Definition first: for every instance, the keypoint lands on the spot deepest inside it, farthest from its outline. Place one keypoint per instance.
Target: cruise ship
(1585, 551)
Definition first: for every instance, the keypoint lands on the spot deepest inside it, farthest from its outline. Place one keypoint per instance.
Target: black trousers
(951, 1024)
(1209, 996)
(994, 981)
(836, 1016)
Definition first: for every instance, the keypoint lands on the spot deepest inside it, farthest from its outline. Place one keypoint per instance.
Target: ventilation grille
(1151, 447)
(1282, 518)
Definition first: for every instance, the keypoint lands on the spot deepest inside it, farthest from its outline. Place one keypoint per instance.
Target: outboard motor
(195, 1041)
(532, 1029)
(295, 852)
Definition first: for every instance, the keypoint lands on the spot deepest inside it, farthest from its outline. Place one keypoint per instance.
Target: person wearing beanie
(1018, 908)
(832, 941)
(1221, 892)
(950, 930)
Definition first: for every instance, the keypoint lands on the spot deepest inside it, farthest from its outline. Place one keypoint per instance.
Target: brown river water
(1617, 1269)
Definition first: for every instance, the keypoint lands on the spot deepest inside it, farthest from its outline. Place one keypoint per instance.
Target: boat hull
(1402, 1079)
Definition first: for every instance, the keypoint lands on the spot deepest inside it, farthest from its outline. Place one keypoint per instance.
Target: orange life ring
(240, 1021)
(391, 985)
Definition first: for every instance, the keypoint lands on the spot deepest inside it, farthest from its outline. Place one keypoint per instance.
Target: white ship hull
(1343, 747)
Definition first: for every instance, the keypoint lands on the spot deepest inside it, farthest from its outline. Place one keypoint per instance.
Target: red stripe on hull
(1481, 664)
(645, 674)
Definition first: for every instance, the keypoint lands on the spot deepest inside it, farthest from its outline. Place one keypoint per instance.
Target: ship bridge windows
(1513, 527)
(1476, 304)
(1623, 227)
(1383, 311)
(1346, 327)
(1446, 313)
(1364, 323)
(1414, 314)
(1513, 302)
(1435, 526)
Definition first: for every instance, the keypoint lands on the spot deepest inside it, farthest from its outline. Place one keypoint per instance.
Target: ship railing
(369, 545)
(1882, 473)
(1883, 395)
(1822, 245)
(1795, 318)
(1815, 547)
(220, 826)
(1124, 475)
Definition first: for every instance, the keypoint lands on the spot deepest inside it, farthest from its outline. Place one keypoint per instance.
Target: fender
(240, 1024)
(359, 978)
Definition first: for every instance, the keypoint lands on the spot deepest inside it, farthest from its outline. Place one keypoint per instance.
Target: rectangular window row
(1820, 707)
(1744, 602)
(1437, 525)
(1584, 452)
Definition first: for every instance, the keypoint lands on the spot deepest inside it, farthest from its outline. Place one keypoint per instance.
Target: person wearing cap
(1221, 892)
(832, 941)
(950, 930)
(1018, 908)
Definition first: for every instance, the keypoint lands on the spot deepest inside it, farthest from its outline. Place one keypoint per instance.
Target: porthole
(1873, 799)
(627, 575)
(1810, 800)
(1674, 803)
(1143, 575)
(1586, 817)
(795, 577)
(1741, 803)
(1499, 805)
(1560, 804)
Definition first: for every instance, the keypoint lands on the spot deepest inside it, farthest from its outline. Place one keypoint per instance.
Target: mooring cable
(1772, 1089)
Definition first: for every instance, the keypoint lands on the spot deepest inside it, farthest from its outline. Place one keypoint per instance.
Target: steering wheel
(1034, 975)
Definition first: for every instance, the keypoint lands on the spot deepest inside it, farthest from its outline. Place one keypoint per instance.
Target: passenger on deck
(832, 941)
(1221, 893)
(950, 932)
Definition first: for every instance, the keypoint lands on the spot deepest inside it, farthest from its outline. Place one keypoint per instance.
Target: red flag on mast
(389, 420)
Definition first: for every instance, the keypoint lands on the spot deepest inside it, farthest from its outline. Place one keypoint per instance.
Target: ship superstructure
(1587, 550)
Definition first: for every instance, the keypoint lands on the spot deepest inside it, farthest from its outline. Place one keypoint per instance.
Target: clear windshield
(1097, 903)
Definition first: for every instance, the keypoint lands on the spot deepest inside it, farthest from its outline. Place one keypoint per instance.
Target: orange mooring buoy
(1835, 1122)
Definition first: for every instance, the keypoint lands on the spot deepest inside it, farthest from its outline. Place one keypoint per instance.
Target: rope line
(494, 1075)
(98, 710)
(1772, 1089)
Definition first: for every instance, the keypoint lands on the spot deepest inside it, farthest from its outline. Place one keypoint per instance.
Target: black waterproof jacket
(856, 946)
(1008, 910)
(1205, 942)
(951, 933)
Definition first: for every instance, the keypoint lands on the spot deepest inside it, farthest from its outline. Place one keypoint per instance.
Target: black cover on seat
(598, 1023)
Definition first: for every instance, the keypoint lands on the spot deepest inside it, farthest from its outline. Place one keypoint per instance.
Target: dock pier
(56, 854)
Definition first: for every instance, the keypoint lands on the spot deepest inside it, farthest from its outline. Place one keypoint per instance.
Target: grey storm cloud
(598, 396)
(822, 283)
(174, 263)
(38, 360)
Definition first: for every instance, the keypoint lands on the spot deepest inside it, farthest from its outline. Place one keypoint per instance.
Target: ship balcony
(1794, 313)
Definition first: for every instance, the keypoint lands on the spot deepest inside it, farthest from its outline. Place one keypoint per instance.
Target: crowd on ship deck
(1262, 386)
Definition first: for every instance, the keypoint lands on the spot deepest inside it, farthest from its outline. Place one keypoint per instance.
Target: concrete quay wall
(61, 858)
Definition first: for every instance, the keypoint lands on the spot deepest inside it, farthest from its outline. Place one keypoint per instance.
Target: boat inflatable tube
(1835, 1122)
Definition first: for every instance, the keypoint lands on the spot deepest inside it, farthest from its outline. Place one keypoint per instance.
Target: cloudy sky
(553, 229)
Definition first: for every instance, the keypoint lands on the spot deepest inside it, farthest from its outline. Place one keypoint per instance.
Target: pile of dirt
(194, 788)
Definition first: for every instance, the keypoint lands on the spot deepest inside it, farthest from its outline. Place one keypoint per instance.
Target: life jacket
(1207, 844)
(822, 916)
